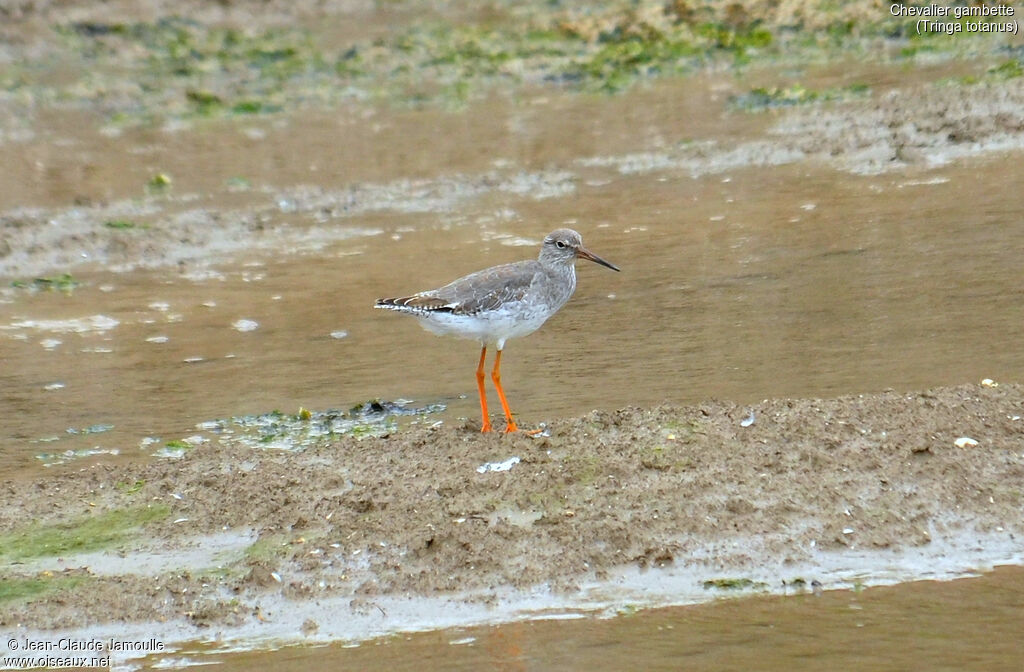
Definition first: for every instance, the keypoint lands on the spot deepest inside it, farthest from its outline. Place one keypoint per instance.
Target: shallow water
(967, 624)
(743, 284)
(747, 285)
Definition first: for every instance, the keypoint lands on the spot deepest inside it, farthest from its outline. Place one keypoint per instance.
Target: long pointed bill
(587, 254)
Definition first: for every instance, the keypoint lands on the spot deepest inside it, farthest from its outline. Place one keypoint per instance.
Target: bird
(502, 302)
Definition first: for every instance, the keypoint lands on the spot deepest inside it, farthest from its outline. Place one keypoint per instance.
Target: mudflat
(420, 514)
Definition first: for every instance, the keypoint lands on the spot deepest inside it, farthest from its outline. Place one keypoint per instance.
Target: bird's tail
(416, 305)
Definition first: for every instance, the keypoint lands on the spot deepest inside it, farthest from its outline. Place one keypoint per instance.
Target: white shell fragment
(965, 442)
(749, 420)
(497, 466)
(988, 382)
(245, 325)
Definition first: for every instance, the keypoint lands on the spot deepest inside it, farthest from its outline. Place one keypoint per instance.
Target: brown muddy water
(749, 285)
(967, 624)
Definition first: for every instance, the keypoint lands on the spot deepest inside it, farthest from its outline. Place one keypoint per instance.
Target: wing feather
(489, 289)
(473, 294)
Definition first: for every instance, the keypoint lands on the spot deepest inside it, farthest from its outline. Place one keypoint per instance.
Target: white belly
(490, 328)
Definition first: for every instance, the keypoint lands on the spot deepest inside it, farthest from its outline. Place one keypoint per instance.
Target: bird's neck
(568, 272)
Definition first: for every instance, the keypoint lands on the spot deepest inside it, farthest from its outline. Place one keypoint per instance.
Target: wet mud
(753, 496)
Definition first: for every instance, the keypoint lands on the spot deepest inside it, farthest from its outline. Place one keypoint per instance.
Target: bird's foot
(513, 427)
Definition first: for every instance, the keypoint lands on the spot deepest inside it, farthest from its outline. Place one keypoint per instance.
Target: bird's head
(565, 246)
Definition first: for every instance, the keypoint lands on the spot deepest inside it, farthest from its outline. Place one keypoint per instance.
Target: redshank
(501, 302)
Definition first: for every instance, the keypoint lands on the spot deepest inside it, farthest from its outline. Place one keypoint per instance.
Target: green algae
(83, 534)
(15, 589)
(742, 583)
(178, 67)
(64, 282)
(772, 97)
(120, 224)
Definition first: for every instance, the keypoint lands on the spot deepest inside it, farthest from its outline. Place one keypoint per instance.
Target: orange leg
(496, 377)
(480, 386)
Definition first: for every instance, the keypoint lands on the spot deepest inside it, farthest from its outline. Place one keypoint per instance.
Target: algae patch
(121, 224)
(25, 588)
(129, 488)
(87, 533)
(64, 282)
(308, 428)
(772, 97)
(1005, 71)
(180, 67)
(734, 584)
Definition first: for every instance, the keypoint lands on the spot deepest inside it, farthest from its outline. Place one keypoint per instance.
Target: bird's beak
(587, 254)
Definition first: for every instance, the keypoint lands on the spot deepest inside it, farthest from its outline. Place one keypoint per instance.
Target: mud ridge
(919, 127)
(411, 514)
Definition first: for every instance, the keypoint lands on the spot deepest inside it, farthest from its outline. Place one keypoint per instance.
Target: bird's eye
(559, 244)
